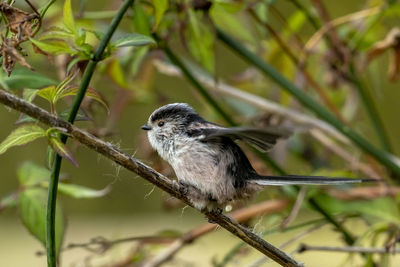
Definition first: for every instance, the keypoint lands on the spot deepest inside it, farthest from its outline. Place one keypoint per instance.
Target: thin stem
(53, 184)
(368, 250)
(382, 156)
(46, 7)
(134, 165)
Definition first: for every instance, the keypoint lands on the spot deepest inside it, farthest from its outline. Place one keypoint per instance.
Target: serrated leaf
(78, 191)
(54, 47)
(61, 149)
(134, 39)
(160, 6)
(90, 93)
(47, 93)
(24, 78)
(21, 136)
(32, 210)
(30, 174)
(68, 17)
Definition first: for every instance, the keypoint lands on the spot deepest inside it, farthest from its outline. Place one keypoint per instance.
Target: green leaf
(78, 191)
(201, 41)
(160, 6)
(383, 208)
(68, 17)
(90, 93)
(31, 174)
(29, 94)
(56, 33)
(32, 210)
(48, 93)
(54, 47)
(117, 75)
(24, 78)
(134, 39)
(61, 149)
(21, 136)
(81, 116)
(140, 20)
(230, 22)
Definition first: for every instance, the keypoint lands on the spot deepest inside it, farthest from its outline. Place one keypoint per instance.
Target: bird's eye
(161, 123)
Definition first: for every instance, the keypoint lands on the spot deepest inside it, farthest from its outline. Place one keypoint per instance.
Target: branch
(136, 166)
(304, 248)
(240, 215)
(53, 183)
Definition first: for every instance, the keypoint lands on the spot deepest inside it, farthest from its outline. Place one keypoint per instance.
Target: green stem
(308, 102)
(53, 184)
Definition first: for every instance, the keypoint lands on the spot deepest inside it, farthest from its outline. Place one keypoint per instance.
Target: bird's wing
(262, 138)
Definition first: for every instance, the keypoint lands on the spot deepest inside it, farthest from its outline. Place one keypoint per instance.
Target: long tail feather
(305, 180)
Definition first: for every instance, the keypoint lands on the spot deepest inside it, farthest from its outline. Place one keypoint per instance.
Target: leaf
(32, 210)
(383, 208)
(230, 22)
(47, 93)
(134, 39)
(24, 78)
(56, 33)
(90, 93)
(117, 75)
(68, 17)
(29, 94)
(61, 149)
(160, 6)
(54, 47)
(21, 136)
(140, 20)
(201, 41)
(78, 191)
(31, 174)
(81, 116)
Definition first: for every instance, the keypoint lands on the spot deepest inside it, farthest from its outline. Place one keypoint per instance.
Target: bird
(210, 166)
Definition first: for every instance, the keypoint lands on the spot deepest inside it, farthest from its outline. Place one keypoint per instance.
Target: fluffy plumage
(205, 156)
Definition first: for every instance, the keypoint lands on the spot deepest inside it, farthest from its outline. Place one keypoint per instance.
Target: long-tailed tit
(206, 158)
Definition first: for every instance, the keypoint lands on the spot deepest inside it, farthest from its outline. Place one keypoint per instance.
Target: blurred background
(133, 81)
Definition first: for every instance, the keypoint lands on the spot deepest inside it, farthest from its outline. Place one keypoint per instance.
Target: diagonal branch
(136, 166)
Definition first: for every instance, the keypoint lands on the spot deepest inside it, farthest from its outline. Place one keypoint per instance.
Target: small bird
(209, 165)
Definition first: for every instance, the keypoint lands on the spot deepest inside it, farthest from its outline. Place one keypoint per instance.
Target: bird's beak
(146, 127)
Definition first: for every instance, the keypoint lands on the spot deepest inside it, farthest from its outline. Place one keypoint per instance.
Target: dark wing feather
(262, 138)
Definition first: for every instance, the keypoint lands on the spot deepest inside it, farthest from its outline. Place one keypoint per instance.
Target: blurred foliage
(345, 56)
